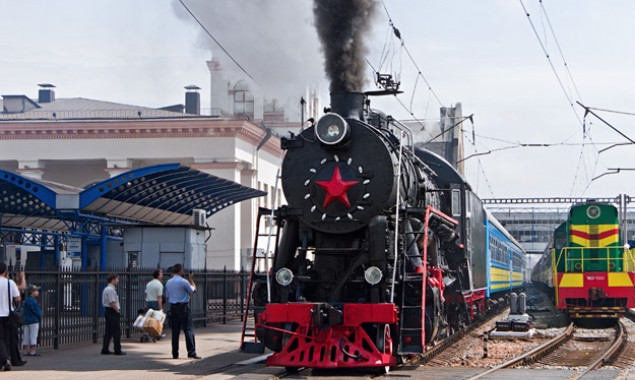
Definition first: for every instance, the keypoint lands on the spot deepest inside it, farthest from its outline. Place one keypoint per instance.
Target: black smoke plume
(342, 26)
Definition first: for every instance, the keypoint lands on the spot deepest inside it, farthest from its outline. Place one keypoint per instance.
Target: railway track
(581, 352)
(626, 358)
(532, 355)
(433, 352)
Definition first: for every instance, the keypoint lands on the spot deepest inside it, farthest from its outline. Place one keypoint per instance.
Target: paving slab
(216, 344)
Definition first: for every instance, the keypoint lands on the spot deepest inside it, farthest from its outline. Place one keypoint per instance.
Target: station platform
(217, 345)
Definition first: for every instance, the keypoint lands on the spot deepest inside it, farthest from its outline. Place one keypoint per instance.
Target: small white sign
(74, 247)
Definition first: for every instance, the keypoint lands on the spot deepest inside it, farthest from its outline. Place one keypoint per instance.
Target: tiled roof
(82, 108)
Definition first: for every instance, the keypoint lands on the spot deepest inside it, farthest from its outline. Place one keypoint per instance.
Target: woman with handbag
(9, 351)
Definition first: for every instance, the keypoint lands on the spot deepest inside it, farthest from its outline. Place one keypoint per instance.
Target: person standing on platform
(110, 301)
(8, 334)
(32, 320)
(178, 291)
(154, 298)
(13, 341)
(154, 291)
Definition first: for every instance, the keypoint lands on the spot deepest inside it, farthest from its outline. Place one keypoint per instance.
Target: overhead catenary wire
(397, 34)
(588, 110)
(567, 94)
(553, 68)
(611, 111)
(416, 119)
(479, 164)
(564, 61)
(470, 118)
(577, 168)
(546, 144)
(400, 102)
(581, 162)
(216, 41)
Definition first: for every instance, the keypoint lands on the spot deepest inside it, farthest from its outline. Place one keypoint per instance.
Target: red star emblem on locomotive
(336, 188)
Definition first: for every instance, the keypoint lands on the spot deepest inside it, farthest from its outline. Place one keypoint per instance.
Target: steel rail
(620, 340)
(530, 356)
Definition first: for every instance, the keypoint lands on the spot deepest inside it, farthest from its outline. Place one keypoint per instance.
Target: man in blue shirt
(178, 291)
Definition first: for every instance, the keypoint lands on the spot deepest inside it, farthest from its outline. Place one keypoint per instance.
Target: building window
(273, 111)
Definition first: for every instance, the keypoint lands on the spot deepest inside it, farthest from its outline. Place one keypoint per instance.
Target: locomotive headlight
(284, 276)
(593, 212)
(372, 275)
(332, 129)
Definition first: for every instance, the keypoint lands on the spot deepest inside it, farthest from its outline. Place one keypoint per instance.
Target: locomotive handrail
(405, 129)
(629, 261)
(397, 203)
(612, 255)
(270, 233)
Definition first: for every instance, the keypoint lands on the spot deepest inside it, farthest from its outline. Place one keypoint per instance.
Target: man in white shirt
(8, 293)
(154, 291)
(110, 301)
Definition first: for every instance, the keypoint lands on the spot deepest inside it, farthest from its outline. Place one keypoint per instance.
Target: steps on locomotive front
(411, 339)
(249, 342)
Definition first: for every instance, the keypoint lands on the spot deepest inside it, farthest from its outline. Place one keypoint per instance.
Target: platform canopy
(27, 203)
(163, 194)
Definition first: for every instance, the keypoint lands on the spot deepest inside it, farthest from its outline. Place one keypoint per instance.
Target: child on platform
(32, 319)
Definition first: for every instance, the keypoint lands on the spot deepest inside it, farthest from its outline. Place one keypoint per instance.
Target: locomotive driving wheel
(384, 344)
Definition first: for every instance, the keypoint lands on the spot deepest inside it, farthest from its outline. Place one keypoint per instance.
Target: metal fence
(72, 310)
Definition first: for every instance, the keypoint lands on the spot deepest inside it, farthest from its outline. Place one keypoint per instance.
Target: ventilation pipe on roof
(46, 93)
(192, 100)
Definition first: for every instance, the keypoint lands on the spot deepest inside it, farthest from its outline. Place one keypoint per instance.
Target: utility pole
(624, 200)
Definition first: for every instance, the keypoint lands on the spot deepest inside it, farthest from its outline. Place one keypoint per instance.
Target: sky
(483, 54)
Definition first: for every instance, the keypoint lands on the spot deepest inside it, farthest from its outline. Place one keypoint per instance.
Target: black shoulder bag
(15, 316)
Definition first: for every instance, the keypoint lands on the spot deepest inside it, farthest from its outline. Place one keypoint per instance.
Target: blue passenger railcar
(505, 258)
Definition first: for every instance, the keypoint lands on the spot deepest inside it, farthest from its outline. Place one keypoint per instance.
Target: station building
(79, 142)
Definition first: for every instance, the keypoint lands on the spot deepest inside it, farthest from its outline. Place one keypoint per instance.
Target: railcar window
(499, 251)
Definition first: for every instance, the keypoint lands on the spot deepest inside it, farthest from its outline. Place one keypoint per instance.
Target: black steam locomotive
(383, 248)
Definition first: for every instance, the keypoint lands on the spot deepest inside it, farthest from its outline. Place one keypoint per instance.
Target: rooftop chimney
(46, 93)
(192, 100)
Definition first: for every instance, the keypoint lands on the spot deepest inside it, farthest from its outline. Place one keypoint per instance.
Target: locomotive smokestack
(349, 105)
(341, 26)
